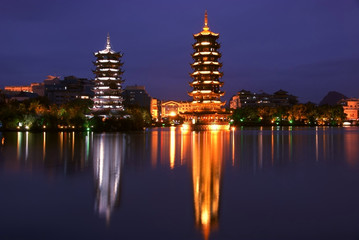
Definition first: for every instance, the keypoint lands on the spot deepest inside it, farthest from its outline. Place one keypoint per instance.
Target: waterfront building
(108, 82)
(351, 108)
(174, 108)
(170, 109)
(206, 107)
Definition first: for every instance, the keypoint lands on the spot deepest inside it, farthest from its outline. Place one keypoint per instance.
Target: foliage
(38, 114)
(299, 114)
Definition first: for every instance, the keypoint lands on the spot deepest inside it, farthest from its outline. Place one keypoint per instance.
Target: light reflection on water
(109, 153)
(208, 156)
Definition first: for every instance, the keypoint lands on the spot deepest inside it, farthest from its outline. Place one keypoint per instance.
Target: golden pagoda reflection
(172, 147)
(109, 150)
(206, 176)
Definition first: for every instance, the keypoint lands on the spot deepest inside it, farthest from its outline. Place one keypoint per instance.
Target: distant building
(136, 96)
(37, 88)
(22, 96)
(56, 90)
(351, 108)
(108, 82)
(18, 88)
(282, 98)
(70, 88)
(246, 98)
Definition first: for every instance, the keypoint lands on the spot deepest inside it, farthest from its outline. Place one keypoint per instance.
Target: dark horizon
(307, 48)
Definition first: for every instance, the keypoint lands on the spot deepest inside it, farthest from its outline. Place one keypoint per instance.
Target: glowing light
(106, 78)
(172, 114)
(205, 53)
(185, 127)
(205, 217)
(214, 127)
(109, 70)
(106, 61)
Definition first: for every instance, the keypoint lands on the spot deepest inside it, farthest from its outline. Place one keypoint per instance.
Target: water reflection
(172, 147)
(160, 161)
(206, 176)
(109, 152)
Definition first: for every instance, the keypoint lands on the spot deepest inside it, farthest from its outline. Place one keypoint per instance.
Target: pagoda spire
(108, 43)
(205, 28)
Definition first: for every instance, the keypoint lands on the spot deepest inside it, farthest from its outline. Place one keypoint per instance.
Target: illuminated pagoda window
(108, 81)
(206, 84)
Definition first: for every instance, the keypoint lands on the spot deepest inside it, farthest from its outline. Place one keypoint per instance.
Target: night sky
(307, 47)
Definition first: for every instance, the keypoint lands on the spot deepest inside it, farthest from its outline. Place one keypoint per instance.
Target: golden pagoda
(206, 109)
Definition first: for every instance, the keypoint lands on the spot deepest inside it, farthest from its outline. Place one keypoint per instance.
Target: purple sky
(307, 47)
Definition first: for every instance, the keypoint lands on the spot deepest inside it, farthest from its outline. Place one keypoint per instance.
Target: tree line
(298, 114)
(39, 114)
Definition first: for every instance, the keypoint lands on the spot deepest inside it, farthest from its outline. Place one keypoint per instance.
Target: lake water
(251, 183)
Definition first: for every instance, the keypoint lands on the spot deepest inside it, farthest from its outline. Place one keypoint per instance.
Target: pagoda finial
(205, 28)
(108, 44)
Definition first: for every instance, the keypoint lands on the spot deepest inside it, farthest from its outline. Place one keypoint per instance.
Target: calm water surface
(262, 183)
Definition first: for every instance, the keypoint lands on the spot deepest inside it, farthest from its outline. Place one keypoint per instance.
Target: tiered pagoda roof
(206, 108)
(206, 76)
(108, 81)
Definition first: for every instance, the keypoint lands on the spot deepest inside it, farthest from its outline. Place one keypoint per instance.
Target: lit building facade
(206, 107)
(155, 109)
(351, 108)
(108, 82)
(174, 108)
(18, 88)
